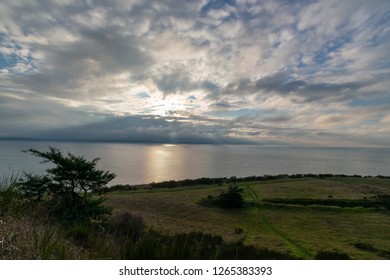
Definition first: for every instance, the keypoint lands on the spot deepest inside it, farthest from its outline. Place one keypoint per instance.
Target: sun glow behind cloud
(265, 71)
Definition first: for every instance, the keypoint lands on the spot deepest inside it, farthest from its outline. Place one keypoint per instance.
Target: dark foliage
(233, 179)
(331, 255)
(383, 201)
(82, 210)
(240, 251)
(232, 198)
(68, 185)
(193, 246)
(192, 182)
(9, 196)
(125, 225)
(34, 186)
(369, 248)
(80, 234)
(378, 202)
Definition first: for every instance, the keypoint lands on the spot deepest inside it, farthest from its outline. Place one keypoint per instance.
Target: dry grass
(23, 237)
(322, 188)
(178, 211)
(297, 229)
(301, 230)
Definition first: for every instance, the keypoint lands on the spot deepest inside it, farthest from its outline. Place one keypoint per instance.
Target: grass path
(296, 248)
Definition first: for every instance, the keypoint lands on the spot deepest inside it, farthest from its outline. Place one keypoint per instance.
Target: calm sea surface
(143, 163)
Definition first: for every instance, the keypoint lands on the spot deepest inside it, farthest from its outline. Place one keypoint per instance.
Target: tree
(232, 198)
(69, 184)
(34, 186)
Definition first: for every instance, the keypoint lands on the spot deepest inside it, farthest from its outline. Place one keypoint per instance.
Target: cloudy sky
(280, 71)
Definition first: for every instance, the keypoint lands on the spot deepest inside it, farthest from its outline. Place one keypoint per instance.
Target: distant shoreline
(229, 180)
(156, 142)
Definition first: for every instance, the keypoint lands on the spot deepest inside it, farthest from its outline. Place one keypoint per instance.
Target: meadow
(300, 216)
(283, 217)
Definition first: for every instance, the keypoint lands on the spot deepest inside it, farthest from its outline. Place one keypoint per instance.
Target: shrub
(79, 233)
(193, 245)
(34, 186)
(126, 224)
(230, 199)
(10, 199)
(331, 255)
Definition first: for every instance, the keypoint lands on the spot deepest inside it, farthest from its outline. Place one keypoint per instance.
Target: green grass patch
(379, 202)
(300, 216)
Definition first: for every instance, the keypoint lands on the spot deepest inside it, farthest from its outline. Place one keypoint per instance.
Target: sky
(240, 71)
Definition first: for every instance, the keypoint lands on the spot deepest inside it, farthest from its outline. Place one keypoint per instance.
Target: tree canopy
(232, 198)
(70, 182)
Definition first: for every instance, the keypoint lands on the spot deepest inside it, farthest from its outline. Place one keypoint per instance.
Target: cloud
(291, 71)
(145, 129)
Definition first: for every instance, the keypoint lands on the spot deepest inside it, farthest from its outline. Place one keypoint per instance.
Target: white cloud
(279, 69)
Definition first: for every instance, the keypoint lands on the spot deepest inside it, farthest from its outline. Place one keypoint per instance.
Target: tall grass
(192, 246)
(24, 237)
(9, 196)
(24, 233)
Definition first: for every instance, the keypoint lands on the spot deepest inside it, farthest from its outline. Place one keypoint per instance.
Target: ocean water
(145, 163)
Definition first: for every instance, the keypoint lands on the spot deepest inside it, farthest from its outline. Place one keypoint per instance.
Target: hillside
(297, 215)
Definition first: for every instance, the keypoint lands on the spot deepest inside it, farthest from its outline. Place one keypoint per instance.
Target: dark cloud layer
(142, 129)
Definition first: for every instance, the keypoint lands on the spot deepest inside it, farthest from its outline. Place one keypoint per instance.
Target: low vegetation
(68, 186)
(232, 198)
(376, 202)
(308, 217)
(224, 180)
(69, 213)
(32, 233)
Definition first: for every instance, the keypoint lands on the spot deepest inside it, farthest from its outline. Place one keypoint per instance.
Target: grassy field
(303, 230)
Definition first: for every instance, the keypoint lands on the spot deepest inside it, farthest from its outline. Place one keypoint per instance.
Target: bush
(331, 255)
(127, 225)
(230, 199)
(10, 199)
(90, 209)
(193, 246)
(79, 233)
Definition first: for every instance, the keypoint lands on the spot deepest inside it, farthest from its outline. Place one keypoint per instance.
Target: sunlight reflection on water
(143, 163)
